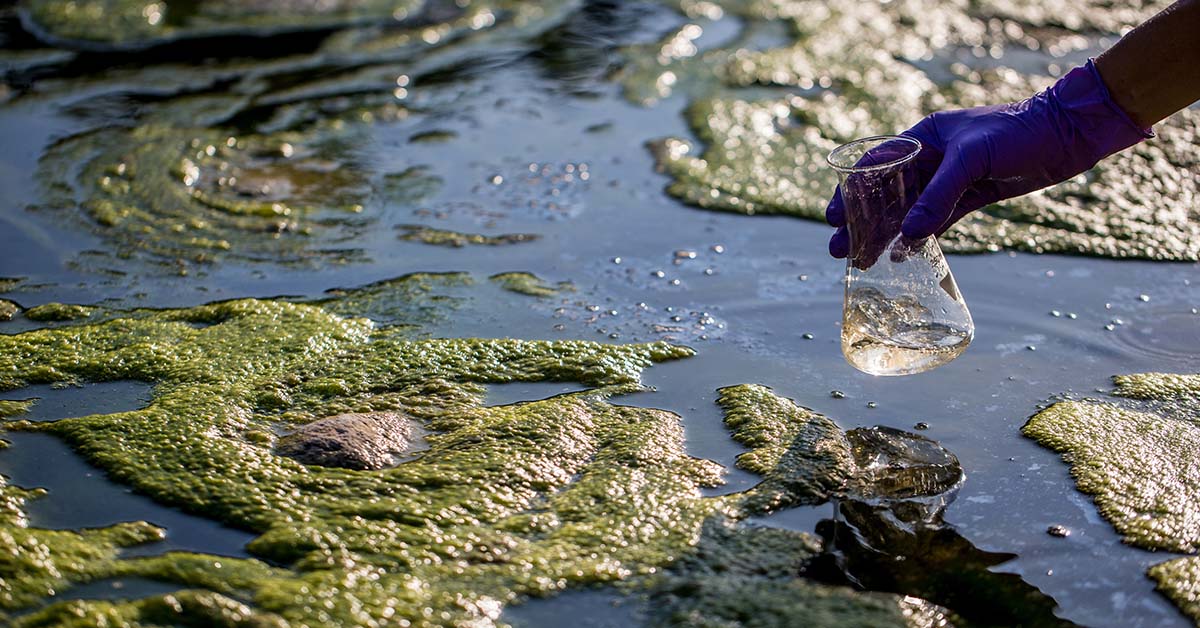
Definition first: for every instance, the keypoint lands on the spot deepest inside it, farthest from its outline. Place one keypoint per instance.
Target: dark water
(518, 103)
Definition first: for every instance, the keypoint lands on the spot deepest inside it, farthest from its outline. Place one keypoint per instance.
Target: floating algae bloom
(530, 284)
(274, 169)
(764, 156)
(443, 237)
(1137, 456)
(198, 194)
(507, 501)
(140, 23)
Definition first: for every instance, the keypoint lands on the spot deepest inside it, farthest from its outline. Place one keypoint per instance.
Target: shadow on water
(905, 547)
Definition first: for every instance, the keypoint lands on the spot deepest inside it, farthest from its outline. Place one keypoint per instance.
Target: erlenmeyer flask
(902, 312)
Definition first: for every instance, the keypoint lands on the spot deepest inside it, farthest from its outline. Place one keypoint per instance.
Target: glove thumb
(936, 204)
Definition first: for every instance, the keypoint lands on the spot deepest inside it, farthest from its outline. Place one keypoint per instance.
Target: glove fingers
(982, 194)
(933, 209)
(839, 244)
(835, 213)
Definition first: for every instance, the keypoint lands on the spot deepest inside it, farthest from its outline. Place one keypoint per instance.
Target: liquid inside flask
(903, 312)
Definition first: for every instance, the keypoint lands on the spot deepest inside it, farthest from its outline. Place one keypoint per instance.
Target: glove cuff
(1106, 127)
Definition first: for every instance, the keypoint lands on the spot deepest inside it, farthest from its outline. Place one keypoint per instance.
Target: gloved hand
(974, 157)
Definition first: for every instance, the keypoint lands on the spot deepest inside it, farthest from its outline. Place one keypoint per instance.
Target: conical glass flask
(902, 312)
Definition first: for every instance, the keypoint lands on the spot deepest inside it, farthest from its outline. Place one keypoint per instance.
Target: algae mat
(508, 501)
(1139, 457)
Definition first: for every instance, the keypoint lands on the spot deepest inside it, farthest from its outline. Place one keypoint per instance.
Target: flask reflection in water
(902, 312)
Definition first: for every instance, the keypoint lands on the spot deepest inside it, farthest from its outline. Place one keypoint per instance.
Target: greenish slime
(445, 237)
(530, 285)
(508, 501)
(1136, 457)
(135, 23)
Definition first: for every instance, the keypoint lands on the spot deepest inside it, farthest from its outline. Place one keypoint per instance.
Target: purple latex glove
(974, 157)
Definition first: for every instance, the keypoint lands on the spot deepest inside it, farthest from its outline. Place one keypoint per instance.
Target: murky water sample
(884, 335)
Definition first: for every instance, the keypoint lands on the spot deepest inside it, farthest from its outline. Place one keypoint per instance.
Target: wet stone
(352, 441)
(1059, 531)
(8, 310)
(895, 464)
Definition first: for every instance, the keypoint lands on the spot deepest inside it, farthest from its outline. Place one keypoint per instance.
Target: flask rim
(840, 165)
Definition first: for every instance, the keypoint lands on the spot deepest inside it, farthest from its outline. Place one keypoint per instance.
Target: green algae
(508, 501)
(1138, 463)
(59, 312)
(36, 563)
(406, 301)
(139, 23)
(1136, 456)
(804, 457)
(14, 407)
(530, 285)
(199, 194)
(582, 492)
(1179, 580)
(444, 237)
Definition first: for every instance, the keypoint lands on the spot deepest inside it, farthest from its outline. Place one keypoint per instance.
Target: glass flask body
(903, 312)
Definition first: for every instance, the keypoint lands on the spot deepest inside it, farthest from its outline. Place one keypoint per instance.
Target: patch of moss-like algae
(139, 23)
(512, 500)
(508, 501)
(1139, 457)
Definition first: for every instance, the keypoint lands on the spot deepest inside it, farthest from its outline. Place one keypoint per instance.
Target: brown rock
(353, 441)
(8, 310)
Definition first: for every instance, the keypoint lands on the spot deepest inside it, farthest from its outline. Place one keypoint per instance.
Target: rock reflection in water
(890, 536)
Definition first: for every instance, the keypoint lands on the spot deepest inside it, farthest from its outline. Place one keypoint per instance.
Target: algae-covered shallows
(507, 501)
(1139, 457)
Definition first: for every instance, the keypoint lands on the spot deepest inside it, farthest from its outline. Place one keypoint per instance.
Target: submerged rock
(895, 464)
(805, 458)
(1136, 455)
(352, 441)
